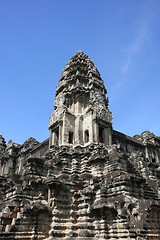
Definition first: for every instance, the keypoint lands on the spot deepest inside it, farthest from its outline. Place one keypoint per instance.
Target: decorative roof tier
(2, 143)
(81, 70)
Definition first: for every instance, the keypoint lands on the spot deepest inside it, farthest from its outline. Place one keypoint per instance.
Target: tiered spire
(80, 65)
(80, 103)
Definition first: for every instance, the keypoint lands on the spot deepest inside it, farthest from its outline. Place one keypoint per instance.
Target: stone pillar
(96, 132)
(63, 131)
(146, 152)
(49, 196)
(53, 138)
(77, 119)
(76, 105)
(91, 131)
(60, 134)
(50, 139)
(110, 135)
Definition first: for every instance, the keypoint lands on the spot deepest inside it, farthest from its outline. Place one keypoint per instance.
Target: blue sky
(38, 37)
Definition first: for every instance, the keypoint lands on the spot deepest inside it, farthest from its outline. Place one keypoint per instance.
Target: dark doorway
(101, 134)
(70, 137)
(86, 136)
(56, 138)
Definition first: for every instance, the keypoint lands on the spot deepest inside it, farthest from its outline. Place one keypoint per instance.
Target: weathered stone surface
(87, 181)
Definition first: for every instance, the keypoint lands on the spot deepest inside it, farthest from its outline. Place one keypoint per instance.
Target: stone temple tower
(81, 113)
(86, 181)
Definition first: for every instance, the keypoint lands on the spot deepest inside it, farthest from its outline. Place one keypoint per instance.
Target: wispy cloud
(142, 33)
(135, 48)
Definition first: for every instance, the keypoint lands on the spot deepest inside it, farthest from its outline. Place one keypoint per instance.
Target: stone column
(77, 129)
(53, 138)
(63, 131)
(110, 135)
(76, 105)
(49, 196)
(50, 139)
(60, 134)
(96, 132)
(91, 131)
(146, 152)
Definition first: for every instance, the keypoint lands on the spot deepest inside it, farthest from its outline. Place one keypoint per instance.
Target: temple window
(101, 134)
(70, 140)
(86, 136)
(56, 136)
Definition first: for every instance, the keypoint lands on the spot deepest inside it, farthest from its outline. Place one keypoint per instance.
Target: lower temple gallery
(87, 180)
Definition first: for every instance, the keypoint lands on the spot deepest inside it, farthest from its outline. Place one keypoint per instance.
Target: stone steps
(149, 192)
(7, 236)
